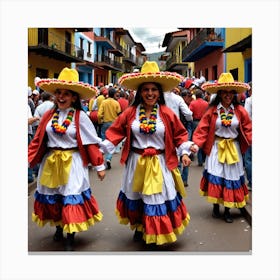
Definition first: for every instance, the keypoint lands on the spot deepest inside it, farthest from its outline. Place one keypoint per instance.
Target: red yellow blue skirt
(159, 223)
(74, 213)
(224, 183)
(230, 193)
(71, 204)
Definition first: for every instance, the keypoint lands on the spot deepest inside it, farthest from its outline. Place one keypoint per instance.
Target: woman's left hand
(101, 174)
(186, 161)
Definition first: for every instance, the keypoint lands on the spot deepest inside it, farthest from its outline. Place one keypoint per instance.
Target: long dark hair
(216, 100)
(138, 98)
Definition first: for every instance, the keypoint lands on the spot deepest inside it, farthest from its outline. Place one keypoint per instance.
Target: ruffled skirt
(224, 183)
(71, 206)
(161, 216)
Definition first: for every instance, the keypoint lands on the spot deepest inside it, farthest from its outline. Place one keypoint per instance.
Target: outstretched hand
(186, 161)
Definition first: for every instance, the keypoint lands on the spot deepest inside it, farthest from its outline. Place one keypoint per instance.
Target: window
(215, 72)
(206, 74)
(89, 49)
(42, 73)
(43, 36)
(67, 42)
(81, 43)
(234, 73)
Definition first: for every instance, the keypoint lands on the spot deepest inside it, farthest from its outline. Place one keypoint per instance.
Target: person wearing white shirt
(43, 107)
(178, 105)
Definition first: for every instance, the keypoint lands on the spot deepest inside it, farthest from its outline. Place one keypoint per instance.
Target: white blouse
(69, 140)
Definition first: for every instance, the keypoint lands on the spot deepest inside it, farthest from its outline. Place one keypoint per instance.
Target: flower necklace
(61, 129)
(226, 119)
(148, 126)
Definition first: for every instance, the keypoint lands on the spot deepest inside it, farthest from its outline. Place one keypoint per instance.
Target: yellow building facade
(238, 54)
(49, 51)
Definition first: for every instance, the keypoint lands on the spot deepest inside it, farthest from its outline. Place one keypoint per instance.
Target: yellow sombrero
(68, 79)
(150, 73)
(225, 82)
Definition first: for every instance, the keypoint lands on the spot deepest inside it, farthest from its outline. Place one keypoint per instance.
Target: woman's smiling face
(227, 97)
(150, 94)
(64, 98)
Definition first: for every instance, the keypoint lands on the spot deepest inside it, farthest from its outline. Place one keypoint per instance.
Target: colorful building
(49, 51)
(238, 53)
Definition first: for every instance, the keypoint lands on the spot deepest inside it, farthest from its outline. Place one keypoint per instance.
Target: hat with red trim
(225, 82)
(150, 74)
(68, 79)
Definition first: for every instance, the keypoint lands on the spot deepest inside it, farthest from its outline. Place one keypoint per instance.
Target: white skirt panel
(227, 171)
(168, 189)
(78, 178)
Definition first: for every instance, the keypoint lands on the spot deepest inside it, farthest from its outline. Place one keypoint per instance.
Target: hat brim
(168, 80)
(84, 90)
(215, 87)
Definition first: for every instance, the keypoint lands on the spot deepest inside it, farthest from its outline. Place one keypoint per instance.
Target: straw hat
(68, 79)
(225, 82)
(150, 74)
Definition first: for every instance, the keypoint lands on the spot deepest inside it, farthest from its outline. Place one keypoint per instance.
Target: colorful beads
(148, 126)
(61, 129)
(226, 119)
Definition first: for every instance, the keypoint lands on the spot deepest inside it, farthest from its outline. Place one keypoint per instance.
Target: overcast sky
(151, 38)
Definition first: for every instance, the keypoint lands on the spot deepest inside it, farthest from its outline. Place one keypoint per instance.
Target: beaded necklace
(148, 126)
(61, 129)
(226, 119)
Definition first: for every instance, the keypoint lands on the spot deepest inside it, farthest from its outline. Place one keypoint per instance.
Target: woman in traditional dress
(224, 133)
(65, 144)
(150, 199)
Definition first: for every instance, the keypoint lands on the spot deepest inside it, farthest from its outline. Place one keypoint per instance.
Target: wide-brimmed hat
(225, 82)
(68, 79)
(150, 74)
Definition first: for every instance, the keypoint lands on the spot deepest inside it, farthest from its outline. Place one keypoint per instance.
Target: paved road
(203, 235)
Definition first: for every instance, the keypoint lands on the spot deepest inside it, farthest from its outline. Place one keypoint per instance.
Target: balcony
(201, 45)
(175, 64)
(53, 46)
(105, 62)
(104, 41)
(129, 58)
(240, 46)
(110, 46)
(118, 50)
